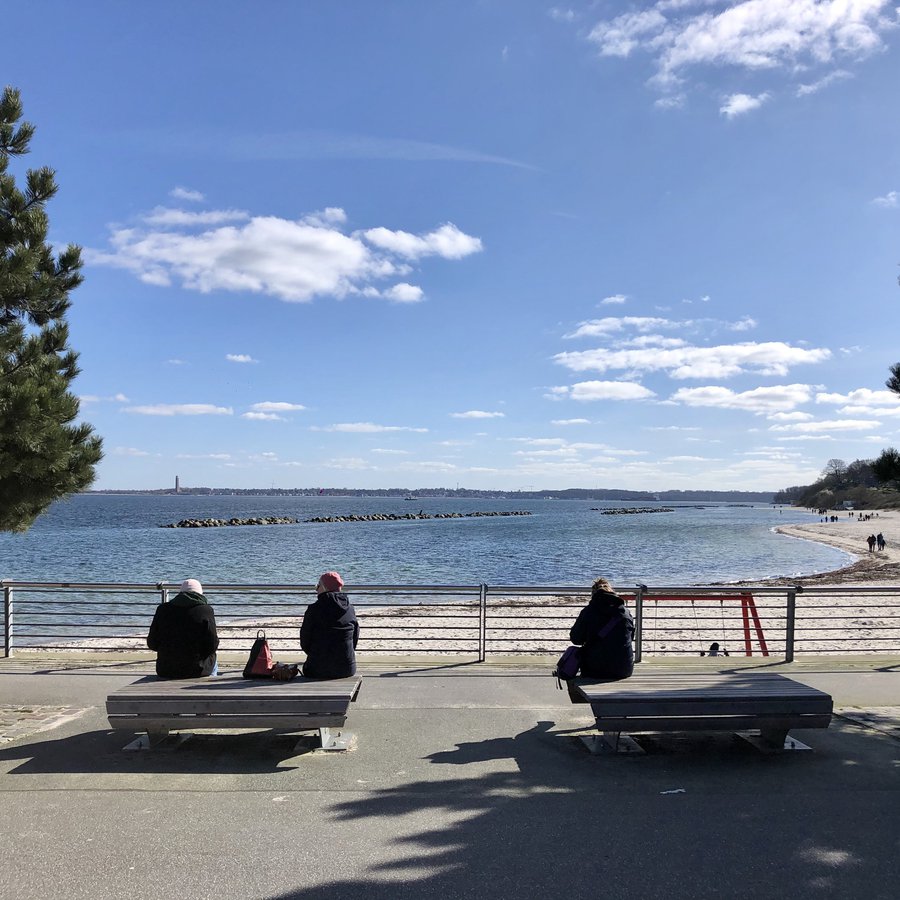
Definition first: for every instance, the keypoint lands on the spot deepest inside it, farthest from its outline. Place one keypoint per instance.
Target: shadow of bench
(159, 706)
(755, 702)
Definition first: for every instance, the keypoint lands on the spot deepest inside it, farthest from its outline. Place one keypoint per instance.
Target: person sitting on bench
(604, 630)
(329, 631)
(183, 634)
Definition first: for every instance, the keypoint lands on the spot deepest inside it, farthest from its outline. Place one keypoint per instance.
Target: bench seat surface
(231, 701)
(706, 701)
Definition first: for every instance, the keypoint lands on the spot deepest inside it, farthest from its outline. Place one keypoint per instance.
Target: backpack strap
(608, 627)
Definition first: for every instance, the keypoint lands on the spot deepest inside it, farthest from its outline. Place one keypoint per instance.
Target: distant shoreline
(849, 534)
(424, 494)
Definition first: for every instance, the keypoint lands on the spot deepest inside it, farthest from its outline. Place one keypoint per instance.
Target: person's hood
(605, 599)
(333, 603)
(187, 599)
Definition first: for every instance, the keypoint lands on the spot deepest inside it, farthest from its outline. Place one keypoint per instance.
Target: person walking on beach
(183, 634)
(870, 540)
(879, 540)
(604, 630)
(329, 631)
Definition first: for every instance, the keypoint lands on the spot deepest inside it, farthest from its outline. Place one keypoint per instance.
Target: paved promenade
(468, 782)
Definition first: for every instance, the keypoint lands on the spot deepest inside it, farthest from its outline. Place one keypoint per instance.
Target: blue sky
(495, 243)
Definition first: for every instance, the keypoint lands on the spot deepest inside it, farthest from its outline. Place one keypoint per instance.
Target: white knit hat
(191, 584)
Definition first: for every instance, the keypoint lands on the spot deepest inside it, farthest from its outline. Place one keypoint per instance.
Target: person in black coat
(329, 631)
(604, 630)
(183, 634)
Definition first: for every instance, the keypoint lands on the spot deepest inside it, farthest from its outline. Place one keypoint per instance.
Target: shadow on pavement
(715, 820)
(100, 752)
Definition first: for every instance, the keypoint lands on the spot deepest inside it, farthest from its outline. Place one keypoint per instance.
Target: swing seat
(767, 704)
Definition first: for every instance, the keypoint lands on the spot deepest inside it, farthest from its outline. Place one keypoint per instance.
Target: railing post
(789, 624)
(639, 622)
(482, 622)
(8, 621)
(163, 592)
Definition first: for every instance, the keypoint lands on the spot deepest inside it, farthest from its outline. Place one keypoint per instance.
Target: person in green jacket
(183, 634)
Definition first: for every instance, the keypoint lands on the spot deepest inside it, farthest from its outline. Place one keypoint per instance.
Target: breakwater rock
(631, 511)
(222, 523)
(394, 517)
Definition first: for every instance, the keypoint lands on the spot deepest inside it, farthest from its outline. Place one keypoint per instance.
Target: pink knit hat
(330, 581)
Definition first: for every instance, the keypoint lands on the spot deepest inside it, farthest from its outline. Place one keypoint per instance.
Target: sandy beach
(880, 567)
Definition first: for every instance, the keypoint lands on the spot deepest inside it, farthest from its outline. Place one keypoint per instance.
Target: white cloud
(390, 451)
(180, 193)
(778, 398)
(891, 200)
(615, 299)
(325, 218)
(791, 417)
(240, 358)
(129, 451)
(180, 409)
(219, 456)
(828, 426)
(561, 15)
(570, 422)
(771, 358)
(477, 414)
(645, 325)
(164, 216)
(262, 417)
(613, 324)
(366, 428)
(861, 397)
(740, 104)
(404, 293)
(276, 406)
(175, 362)
(805, 90)
(751, 35)
(606, 390)
(670, 428)
(293, 260)
(447, 242)
(856, 410)
(94, 398)
(353, 463)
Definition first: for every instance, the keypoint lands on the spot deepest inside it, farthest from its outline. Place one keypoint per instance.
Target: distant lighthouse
(177, 485)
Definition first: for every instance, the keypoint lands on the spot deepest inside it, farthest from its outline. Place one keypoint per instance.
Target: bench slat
(696, 706)
(231, 701)
(705, 702)
(709, 723)
(201, 706)
(200, 723)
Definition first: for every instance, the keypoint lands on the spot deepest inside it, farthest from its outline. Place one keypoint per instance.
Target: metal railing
(475, 620)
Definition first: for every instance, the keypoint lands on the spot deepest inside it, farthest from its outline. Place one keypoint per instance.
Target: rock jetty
(222, 523)
(394, 517)
(632, 510)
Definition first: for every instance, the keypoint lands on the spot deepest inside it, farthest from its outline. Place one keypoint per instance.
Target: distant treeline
(469, 494)
(864, 483)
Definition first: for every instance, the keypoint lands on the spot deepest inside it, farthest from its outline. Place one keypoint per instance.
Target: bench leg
(337, 739)
(147, 741)
(612, 742)
(776, 740)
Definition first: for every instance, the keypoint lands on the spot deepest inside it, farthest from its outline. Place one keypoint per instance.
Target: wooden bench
(159, 706)
(773, 704)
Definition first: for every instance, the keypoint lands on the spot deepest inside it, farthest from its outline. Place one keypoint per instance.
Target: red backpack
(260, 663)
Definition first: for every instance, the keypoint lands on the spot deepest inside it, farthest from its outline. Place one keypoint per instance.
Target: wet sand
(881, 567)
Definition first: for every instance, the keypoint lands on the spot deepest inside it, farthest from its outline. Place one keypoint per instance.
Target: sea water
(117, 538)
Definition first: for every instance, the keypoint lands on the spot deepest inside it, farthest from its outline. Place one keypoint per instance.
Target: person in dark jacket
(183, 634)
(329, 631)
(604, 630)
